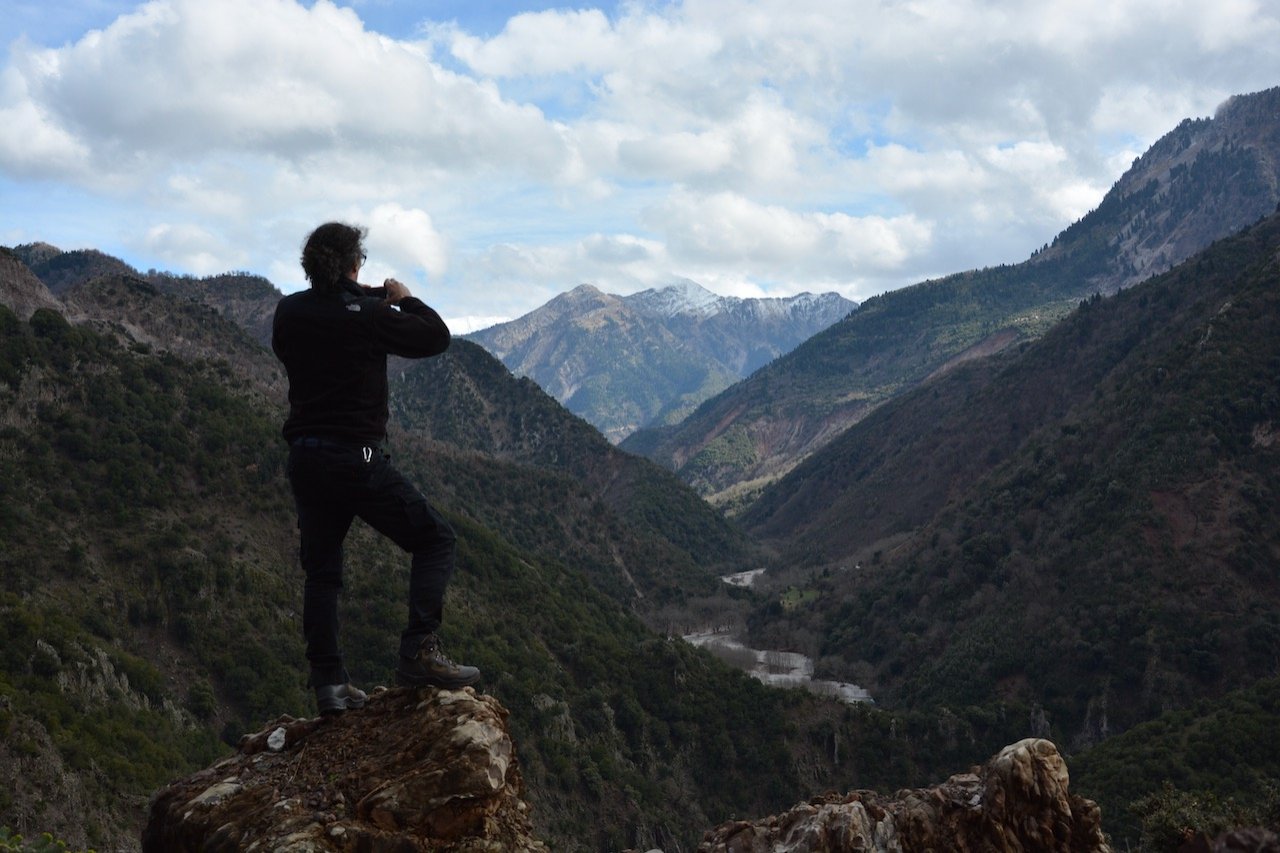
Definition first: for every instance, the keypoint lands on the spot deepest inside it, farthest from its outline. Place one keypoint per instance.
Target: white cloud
(408, 238)
(467, 324)
(763, 146)
(732, 232)
(938, 173)
(752, 145)
(31, 141)
(539, 43)
(180, 79)
(619, 263)
(204, 194)
(188, 248)
(1143, 110)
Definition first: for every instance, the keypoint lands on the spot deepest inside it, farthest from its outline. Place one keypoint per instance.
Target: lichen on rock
(1018, 801)
(415, 770)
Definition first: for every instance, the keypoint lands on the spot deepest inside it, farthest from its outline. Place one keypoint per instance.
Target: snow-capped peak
(683, 297)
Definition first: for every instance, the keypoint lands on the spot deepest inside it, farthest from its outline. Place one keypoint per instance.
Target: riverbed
(777, 669)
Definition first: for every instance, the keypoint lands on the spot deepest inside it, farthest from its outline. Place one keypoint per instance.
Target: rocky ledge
(435, 770)
(1017, 801)
(415, 770)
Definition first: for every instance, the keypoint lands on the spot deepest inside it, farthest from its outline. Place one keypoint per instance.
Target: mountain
(246, 299)
(1072, 535)
(622, 362)
(655, 541)
(59, 270)
(1086, 526)
(1196, 771)
(1201, 182)
(150, 596)
(144, 315)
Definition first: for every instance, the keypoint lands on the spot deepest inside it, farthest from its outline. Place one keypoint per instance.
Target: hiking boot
(336, 698)
(430, 668)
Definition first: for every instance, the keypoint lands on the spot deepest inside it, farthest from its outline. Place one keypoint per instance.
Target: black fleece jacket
(334, 347)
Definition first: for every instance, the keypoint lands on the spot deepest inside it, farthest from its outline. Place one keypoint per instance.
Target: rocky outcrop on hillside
(245, 299)
(415, 770)
(20, 290)
(435, 770)
(1204, 180)
(1017, 801)
(139, 312)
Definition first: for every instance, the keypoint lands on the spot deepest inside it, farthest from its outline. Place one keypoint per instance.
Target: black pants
(332, 484)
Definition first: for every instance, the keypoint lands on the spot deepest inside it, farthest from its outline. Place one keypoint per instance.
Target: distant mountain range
(1203, 181)
(624, 362)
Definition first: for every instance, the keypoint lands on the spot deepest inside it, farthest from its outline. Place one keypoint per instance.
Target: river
(778, 669)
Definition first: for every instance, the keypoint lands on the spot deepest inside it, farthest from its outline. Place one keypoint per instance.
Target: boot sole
(335, 705)
(339, 707)
(403, 680)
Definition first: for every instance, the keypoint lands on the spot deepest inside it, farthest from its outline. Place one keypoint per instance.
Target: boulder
(1017, 801)
(414, 770)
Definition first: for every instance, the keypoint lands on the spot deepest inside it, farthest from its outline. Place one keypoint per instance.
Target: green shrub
(1170, 817)
(44, 844)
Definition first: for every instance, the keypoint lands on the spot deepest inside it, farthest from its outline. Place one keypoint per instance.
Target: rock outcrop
(1017, 801)
(20, 290)
(415, 770)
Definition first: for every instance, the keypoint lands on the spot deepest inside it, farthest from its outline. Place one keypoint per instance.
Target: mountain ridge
(1116, 462)
(149, 596)
(1200, 182)
(622, 361)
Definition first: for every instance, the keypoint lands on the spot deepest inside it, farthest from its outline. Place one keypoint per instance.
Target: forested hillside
(652, 540)
(1088, 525)
(149, 596)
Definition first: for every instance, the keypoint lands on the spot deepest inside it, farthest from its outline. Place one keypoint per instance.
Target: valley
(1036, 500)
(784, 669)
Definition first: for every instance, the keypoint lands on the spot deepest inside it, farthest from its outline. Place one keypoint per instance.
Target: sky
(502, 153)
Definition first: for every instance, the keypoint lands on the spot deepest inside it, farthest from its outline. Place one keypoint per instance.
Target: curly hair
(332, 251)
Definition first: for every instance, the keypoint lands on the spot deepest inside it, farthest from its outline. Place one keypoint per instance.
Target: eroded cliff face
(415, 770)
(1017, 801)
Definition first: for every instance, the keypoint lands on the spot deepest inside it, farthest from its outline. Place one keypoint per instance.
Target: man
(334, 340)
